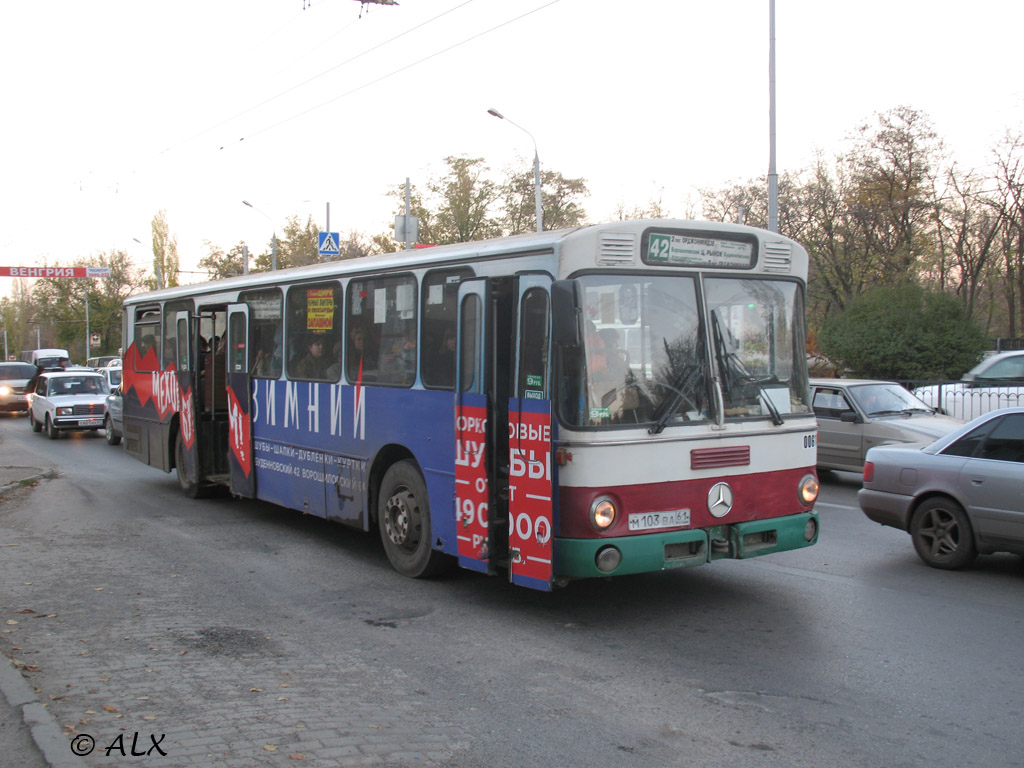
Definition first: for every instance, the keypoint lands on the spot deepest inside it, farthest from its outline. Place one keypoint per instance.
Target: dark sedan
(961, 496)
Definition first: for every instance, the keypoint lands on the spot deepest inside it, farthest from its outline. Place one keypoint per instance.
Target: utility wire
(315, 77)
(397, 71)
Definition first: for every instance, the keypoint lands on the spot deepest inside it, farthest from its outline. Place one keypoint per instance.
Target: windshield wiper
(777, 419)
(685, 382)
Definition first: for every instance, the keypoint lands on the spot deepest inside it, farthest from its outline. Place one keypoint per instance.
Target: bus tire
(191, 489)
(403, 517)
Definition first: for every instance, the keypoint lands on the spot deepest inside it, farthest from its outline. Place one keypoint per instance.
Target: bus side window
(313, 332)
(382, 330)
(146, 337)
(440, 293)
(266, 332)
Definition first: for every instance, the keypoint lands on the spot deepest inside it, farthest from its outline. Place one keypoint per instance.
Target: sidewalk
(28, 734)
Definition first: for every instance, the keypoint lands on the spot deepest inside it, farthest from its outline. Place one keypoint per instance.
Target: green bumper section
(647, 552)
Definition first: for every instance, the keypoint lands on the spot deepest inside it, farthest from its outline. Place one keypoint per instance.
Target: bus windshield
(648, 357)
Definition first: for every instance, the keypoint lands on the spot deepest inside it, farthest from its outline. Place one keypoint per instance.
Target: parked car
(958, 497)
(113, 419)
(996, 382)
(14, 378)
(855, 415)
(68, 400)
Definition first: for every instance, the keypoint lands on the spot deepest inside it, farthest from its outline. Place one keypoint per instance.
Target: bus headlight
(602, 513)
(808, 489)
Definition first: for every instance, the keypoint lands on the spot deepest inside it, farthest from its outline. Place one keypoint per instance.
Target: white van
(48, 358)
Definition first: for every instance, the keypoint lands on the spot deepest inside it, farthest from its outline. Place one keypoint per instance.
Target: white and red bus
(613, 399)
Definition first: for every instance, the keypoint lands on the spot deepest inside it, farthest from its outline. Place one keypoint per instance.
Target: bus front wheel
(403, 516)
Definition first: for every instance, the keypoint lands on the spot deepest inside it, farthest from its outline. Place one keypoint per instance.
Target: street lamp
(273, 265)
(536, 168)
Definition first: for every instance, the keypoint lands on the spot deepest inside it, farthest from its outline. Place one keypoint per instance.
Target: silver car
(958, 497)
(14, 378)
(113, 420)
(855, 415)
(996, 382)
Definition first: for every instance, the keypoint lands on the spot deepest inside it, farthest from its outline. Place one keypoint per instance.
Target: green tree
(63, 301)
(220, 264)
(465, 198)
(560, 201)
(18, 313)
(903, 333)
(165, 252)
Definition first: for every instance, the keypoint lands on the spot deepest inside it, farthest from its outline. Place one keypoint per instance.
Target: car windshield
(78, 385)
(646, 358)
(17, 371)
(887, 399)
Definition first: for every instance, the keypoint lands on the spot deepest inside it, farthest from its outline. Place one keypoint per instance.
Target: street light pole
(773, 176)
(536, 169)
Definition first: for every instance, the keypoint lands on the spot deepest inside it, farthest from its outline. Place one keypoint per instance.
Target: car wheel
(51, 431)
(942, 534)
(36, 426)
(112, 437)
(403, 516)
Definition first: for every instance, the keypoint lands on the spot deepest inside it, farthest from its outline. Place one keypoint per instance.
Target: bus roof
(442, 255)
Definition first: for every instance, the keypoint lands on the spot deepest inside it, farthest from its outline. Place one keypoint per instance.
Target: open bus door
(503, 491)
(238, 389)
(530, 515)
(472, 425)
(186, 450)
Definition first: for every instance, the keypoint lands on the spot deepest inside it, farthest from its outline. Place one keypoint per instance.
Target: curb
(35, 475)
(55, 748)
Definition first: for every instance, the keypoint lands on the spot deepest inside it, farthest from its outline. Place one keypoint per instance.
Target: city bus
(600, 401)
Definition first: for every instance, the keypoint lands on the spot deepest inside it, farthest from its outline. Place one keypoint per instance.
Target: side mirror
(567, 312)
(850, 417)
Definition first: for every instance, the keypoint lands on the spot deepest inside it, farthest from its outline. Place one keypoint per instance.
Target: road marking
(835, 506)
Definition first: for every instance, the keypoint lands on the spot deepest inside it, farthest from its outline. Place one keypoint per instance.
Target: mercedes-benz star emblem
(720, 499)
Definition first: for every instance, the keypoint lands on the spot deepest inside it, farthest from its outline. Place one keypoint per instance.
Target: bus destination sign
(696, 251)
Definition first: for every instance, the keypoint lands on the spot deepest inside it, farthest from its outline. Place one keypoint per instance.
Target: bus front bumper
(648, 552)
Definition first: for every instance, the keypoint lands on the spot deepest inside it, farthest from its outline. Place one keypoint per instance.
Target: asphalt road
(236, 633)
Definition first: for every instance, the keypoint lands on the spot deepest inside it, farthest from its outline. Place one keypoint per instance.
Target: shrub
(903, 333)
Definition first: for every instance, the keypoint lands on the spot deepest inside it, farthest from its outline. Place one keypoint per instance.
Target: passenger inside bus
(313, 365)
(362, 357)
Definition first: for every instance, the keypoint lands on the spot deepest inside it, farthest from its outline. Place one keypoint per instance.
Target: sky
(117, 109)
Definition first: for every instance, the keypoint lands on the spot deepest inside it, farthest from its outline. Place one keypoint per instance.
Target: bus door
(188, 412)
(238, 390)
(472, 468)
(530, 427)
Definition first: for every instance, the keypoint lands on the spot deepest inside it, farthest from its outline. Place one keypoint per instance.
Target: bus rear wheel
(403, 517)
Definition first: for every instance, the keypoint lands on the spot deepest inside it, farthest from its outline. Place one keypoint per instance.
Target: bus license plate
(647, 521)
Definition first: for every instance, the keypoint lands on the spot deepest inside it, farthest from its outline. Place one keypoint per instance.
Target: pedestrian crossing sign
(329, 244)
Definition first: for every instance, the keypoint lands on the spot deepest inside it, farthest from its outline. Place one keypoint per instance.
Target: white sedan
(994, 383)
(68, 400)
